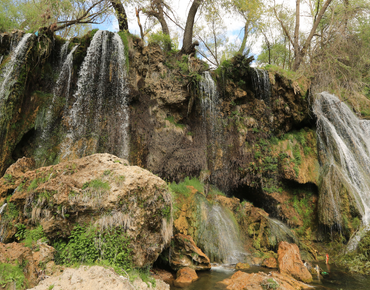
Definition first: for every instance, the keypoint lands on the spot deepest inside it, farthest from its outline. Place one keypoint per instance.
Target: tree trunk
(187, 46)
(156, 10)
(297, 56)
(245, 37)
(121, 14)
(302, 52)
(161, 19)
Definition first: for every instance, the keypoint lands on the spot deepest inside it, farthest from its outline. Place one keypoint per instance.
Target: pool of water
(336, 279)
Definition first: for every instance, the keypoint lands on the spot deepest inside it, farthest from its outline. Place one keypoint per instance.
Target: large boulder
(184, 277)
(290, 262)
(260, 281)
(101, 191)
(184, 253)
(163, 275)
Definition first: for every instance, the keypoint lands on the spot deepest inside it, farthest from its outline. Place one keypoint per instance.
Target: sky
(233, 23)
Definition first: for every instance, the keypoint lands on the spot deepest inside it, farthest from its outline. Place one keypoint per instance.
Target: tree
(187, 42)
(301, 50)
(251, 12)
(121, 15)
(156, 9)
(59, 15)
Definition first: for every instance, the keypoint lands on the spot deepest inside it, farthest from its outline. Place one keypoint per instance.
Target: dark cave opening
(23, 146)
(299, 189)
(257, 197)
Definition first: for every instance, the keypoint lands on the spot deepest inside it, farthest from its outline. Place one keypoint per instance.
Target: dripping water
(209, 97)
(10, 73)
(3, 225)
(344, 140)
(63, 53)
(261, 84)
(61, 88)
(2, 208)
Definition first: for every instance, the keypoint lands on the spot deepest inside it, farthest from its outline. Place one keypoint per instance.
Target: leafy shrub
(11, 211)
(32, 236)
(11, 274)
(274, 140)
(163, 40)
(90, 246)
(21, 232)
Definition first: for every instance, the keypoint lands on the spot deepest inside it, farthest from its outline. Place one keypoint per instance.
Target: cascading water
(101, 85)
(62, 86)
(63, 53)
(8, 76)
(209, 97)
(209, 104)
(280, 232)
(261, 84)
(218, 234)
(3, 225)
(344, 141)
(2, 208)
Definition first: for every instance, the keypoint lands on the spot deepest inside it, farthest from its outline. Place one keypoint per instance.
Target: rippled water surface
(335, 280)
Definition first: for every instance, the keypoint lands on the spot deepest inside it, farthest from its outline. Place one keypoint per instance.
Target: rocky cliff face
(245, 130)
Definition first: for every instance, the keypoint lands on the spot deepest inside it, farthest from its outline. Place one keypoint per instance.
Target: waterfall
(280, 232)
(218, 234)
(3, 225)
(63, 53)
(61, 88)
(261, 84)
(209, 95)
(10, 73)
(2, 208)
(344, 141)
(102, 85)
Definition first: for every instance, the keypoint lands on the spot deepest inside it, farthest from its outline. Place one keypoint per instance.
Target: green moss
(97, 184)
(124, 36)
(171, 119)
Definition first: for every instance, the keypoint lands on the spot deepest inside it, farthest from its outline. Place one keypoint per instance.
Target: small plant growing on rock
(270, 283)
(8, 179)
(21, 232)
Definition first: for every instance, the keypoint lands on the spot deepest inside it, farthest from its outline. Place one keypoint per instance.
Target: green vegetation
(12, 275)
(93, 245)
(171, 119)
(8, 179)
(96, 184)
(304, 208)
(11, 211)
(124, 36)
(358, 260)
(270, 283)
(182, 188)
(163, 40)
(29, 237)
